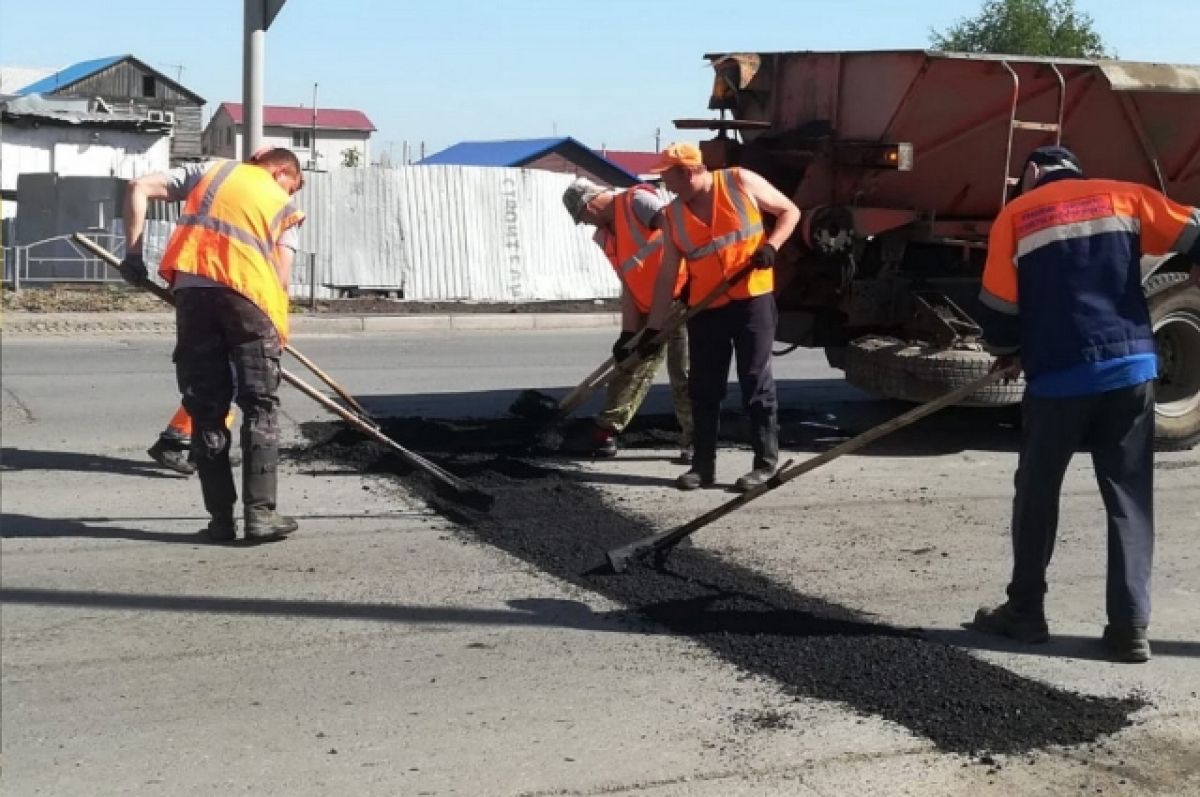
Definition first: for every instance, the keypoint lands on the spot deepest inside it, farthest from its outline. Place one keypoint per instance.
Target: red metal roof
(299, 116)
(638, 163)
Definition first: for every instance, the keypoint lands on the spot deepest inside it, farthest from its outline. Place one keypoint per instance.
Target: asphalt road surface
(387, 650)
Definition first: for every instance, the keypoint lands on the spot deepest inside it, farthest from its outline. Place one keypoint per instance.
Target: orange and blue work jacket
(231, 224)
(1063, 281)
(716, 251)
(635, 251)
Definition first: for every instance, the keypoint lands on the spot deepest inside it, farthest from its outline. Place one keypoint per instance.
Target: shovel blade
(619, 558)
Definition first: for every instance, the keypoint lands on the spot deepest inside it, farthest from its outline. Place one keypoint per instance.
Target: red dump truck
(900, 160)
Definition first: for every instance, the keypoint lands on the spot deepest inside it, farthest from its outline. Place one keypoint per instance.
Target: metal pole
(252, 76)
(312, 144)
(312, 280)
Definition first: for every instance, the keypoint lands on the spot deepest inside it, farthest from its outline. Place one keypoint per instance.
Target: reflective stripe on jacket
(230, 225)
(1063, 273)
(638, 250)
(717, 250)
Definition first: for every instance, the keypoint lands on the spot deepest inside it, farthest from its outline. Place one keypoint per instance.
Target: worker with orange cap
(715, 226)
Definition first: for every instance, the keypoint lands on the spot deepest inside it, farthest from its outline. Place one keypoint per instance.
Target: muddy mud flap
(920, 372)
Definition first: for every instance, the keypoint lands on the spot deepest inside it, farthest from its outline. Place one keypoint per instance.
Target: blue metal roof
(493, 153)
(509, 153)
(70, 74)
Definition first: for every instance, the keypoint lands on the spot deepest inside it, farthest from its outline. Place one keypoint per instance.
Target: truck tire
(919, 372)
(1175, 318)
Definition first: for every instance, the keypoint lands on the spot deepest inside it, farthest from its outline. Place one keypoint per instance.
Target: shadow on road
(22, 459)
(540, 612)
(1060, 646)
(480, 422)
(28, 526)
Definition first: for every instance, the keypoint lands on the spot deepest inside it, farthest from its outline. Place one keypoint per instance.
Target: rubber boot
(216, 476)
(764, 439)
(702, 473)
(259, 485)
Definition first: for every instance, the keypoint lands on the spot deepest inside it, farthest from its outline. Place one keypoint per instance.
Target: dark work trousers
(1118, 428)
(225, 343)
(744, 327)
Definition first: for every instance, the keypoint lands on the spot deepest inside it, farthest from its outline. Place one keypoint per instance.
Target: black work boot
(1023, 625)
(174, 454)
(216, 477)
(764, 439)
(1127, 643)
(264, 525)
(694, 480)
(603, 443)
(259, 485)
(220, 530)
(702, 473)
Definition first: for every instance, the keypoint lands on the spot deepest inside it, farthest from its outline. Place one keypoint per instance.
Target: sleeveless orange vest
(637, 255)
(230, 225)
(718, 250)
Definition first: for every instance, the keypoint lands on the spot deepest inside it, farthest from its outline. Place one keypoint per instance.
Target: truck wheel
(1175, 318)
(919, 372)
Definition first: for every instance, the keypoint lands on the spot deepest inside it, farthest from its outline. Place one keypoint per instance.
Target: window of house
(169, 117)
(301, 138)
(149, 88)
(154, 116)
(229, 136)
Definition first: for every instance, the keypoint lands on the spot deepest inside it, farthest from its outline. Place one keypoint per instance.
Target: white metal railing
(60, 259)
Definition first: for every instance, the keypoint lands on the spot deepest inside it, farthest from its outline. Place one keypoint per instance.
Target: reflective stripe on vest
(201, 218)
(228, 233)
(644, 248)
(744, 231)
(715, 250)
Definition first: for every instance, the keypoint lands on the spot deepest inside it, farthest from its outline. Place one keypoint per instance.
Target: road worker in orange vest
(173, 448)
(228, 263)
(627, 230)
(715, 226)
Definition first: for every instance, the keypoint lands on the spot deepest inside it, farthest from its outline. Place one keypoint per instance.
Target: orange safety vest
(714, 252)
(230, 225)
(637, 254)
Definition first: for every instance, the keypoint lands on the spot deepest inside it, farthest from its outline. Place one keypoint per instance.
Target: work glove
(620, 349)
(764, 257)
(647, 347)
(133, 269)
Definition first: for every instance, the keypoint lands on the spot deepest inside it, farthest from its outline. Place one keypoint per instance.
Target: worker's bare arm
(772, 202)
(137, 199)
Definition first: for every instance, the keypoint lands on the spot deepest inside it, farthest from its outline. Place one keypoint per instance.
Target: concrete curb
(16, 325)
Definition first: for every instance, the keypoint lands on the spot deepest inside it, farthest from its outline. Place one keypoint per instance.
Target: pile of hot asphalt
(546, 515)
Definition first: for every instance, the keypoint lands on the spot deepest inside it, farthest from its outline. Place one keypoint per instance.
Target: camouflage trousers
(629, 387)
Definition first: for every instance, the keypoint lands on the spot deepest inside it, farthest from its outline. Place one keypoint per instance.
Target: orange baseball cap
(678, 155)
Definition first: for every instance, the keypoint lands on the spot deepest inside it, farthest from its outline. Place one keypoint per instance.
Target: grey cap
(578, 194)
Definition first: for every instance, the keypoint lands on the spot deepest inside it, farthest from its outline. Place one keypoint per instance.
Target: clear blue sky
(440, 72)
